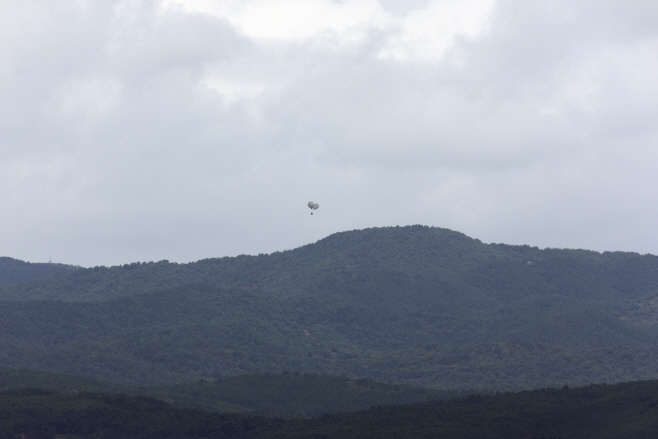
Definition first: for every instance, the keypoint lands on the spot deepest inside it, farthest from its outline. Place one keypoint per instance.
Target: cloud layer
(133, 131)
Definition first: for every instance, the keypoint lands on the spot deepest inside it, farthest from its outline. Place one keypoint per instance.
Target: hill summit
(415, 305)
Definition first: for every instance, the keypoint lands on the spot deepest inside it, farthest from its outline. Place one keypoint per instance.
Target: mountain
(412, 305)
(414, 250)
(621, 411)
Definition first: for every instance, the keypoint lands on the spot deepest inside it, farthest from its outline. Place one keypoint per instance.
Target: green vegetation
(55, 382)
(292, 394)
(620, 411)
(195, 332)
(42, 414)
(372, 318)
(287, 394)
(419, 306)
(13, 271)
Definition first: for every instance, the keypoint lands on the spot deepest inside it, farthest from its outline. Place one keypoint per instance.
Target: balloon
(315, 206)
(310, 205)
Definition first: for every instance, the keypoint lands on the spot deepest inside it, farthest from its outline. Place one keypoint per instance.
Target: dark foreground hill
(413, 305)
(628, 410)
(285, 395)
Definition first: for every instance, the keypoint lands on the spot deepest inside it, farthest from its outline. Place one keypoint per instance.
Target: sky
(188, 129)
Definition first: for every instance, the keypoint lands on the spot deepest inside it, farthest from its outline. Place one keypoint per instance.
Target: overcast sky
(183, 129)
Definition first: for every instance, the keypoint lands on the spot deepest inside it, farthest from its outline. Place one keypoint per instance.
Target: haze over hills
(413, 305)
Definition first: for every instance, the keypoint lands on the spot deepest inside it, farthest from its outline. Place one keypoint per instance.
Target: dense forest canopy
(628, 410)
(411, 305)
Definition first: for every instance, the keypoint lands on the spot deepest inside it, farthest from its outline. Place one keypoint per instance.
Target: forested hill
(414, 250)
(622, 411)
(13, 271)
(412, 305)
(354, 259)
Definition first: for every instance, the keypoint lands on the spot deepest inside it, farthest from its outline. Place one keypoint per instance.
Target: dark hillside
(628, 410)
(13, 271)
(287, 394)
(23, 378)
(415, 250)
(293, 394)
(622, 411)
(417, 253)
(193, 332)
(414, 305)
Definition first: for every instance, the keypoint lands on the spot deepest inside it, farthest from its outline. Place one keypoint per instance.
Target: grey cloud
(403, 8)
(114, 149)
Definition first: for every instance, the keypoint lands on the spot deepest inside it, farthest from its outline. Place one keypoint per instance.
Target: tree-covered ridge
(13, 271)
(203, 331)
(55, 382)
(426, 254)
(401, 249)
(628, 410)
(42, 414)
(412, 305)
(289, 394)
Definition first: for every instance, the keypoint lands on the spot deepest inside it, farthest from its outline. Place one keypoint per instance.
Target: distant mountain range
(411, 305)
